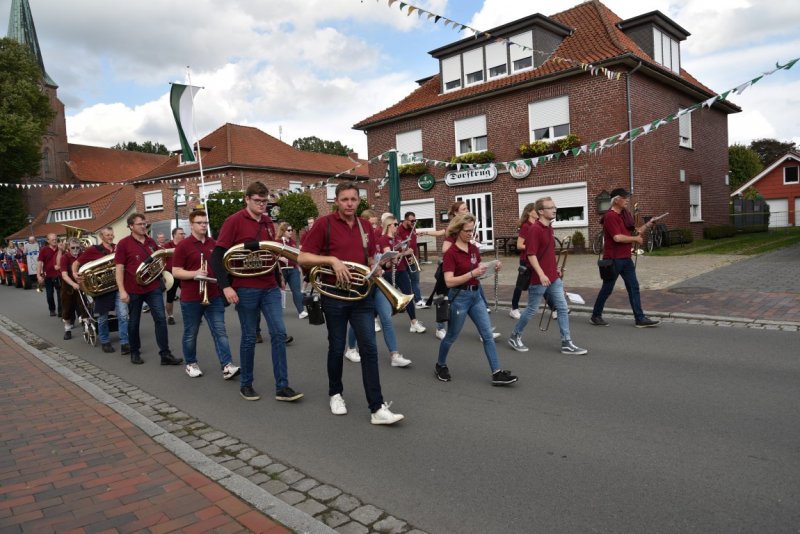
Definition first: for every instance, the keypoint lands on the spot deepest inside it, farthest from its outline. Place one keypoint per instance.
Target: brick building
(491, 94)
(779, 185)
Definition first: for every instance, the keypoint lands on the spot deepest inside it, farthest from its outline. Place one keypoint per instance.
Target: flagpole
(203, 197)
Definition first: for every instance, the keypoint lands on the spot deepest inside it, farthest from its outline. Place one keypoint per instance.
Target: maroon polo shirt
(65, 265)
(187, 257)
(459, 262)
(540, 242)
(48, 258)
(388, 243)
(614, 224)
(346, 242)
(93, 253)
(169, 244)
(131, 253)
(289, 242)
(242, 228)
(523, 233)
(403, 233)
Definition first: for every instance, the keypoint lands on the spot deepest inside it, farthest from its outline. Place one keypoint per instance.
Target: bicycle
(598, 242)
(654, 239)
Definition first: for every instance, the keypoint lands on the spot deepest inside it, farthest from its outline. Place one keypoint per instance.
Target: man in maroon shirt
(406, 229)
(545, 278)
(69, 286)
(618, 224)
(342, 236)
(177, 236)
(131, 252)
(254, 295)
(48, 274)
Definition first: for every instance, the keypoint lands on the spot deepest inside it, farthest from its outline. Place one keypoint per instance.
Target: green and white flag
(181, 99)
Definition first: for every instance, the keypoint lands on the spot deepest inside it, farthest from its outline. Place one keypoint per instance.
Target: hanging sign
(519, 169)
(471, 176)
(425, 182)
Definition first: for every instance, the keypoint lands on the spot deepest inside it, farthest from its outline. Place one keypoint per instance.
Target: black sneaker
(289, 340)
(503, 378)
(170, 320)
(248, 393)
(288, 394)
(259, 339)
(125, 349)
(52, 313)
(647, 322)
(108, 348)
(168, 359)
(598, 320)
(136, 359)
(442, 373)
(67, 335)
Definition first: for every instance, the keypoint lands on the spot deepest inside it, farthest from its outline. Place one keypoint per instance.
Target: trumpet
(359, 286)
(203, 281)
(153, 267)
(563, 253)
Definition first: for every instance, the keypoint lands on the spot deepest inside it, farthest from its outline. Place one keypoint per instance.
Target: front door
(481, 207)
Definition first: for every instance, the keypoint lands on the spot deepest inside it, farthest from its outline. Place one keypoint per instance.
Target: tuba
(79, 233)
(153, 267)
(256, 258)
(359, 286)
(98, 276)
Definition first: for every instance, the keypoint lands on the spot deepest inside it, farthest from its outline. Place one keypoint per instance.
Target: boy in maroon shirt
(48, 274)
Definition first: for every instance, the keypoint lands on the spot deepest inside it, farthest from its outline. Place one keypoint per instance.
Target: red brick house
(779, 185)
(495, 96)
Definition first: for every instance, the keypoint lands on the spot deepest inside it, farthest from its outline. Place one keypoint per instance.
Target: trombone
(563, 253)
(411, 259)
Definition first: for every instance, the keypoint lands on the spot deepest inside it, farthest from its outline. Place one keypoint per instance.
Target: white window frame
(472, 129)
(295, 186)
(208, 188)
(666, 51)
(695, 203)
(451, 72)
(796, 178)
(549, 114)
(153, 200)
(572, 195)
(181, 193)
(496, 56)
(330, 192)
(685, 130)
(181, 162)
(409, 145)
(70, 214)
(473, 66)
(518, 53)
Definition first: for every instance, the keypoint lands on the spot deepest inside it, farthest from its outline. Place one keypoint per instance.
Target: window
(330, 192)
(153, 201)
(208, 188)
(425, 210)
(70, 214)
(181, 162)
(46, 161)
(521, 49)
(295, 186)
(473, 66)
(362, 193)
(791, 175)
(685, 130)
(471, 135)
(572, 201)
(497, 59)
(695, 203)
(666, 51)
(181, 192)
(409, 145)
(451, 73)
(549, 119)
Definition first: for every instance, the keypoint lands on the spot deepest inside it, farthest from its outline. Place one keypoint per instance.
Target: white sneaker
(420, 304)
(555, 314)
(377, 324)
(495, 335)
(399, 361)
(515, 314)
(440, 333)
(352, 355)
(193, 370)
(303, 315)
(338, 406)
(417, 328)
(384, 416)
(229, 371)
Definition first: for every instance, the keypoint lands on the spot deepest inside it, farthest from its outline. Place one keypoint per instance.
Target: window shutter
(658, 57)
(471, 127)
(518, 52)
(685, 128)
(451, 69)
(548, 113)
(496, 55)
(473, 61)
(694, 194)
(409, 142)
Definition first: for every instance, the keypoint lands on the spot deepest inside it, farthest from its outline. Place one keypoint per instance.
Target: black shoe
(442, 373)
(289, 340)
(108, 348)
(125, 349)
(52, 313)
(248, 393)
(259, 339)
(598, 320)
(288, 394)
(168, 359)
(67, 335)
(170, 320)
(136, 359)
(503, 378)
(647, 322)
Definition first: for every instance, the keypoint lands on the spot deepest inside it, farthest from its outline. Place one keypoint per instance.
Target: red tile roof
(596, 40)
(236, 145)
(97, 164)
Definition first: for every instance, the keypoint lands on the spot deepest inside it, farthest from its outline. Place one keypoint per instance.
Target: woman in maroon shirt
(289, 269)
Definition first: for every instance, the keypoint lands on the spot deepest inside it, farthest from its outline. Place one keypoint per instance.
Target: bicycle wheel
(648, 244)
(598, 242)
(658, 240)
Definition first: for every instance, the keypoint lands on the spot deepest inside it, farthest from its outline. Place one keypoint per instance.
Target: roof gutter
(630, 122)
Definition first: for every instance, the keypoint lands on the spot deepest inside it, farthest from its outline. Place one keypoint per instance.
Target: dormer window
(521, 48)
(497, 59)
(451, 73)
(473, 66)
(666, 51)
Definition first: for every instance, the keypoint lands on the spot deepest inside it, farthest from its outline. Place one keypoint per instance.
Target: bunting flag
(181, 100)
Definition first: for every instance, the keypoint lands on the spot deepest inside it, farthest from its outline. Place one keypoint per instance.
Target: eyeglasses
(260, 201)
(289, 230)
(470, 231)
(74, 248)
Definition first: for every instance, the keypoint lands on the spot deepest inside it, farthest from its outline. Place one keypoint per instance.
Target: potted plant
(413, 168)
(473, 158)
(578, 242)
(533, 149)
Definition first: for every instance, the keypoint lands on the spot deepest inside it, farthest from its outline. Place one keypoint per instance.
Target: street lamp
(30, 222)
(175, 188)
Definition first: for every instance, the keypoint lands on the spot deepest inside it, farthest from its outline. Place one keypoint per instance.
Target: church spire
(22, 30)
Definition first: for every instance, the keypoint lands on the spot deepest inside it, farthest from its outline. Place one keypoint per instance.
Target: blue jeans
(415, 285)
(469, 303)
(553, 293)
(627, 270)
(193, 312)
(154, 299)
(385, 315)
(122, 322)
(404, 285)
(292, 277)
(360, 314)
(267, 302)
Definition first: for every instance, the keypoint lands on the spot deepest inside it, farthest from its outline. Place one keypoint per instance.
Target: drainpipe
(630, 123)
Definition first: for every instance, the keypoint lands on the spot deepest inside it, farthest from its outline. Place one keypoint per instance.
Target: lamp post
(175, 188)
(30, 222)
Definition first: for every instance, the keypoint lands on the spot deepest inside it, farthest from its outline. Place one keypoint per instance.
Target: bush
(719, 232)
(680, 236)
(753, 228)
(297, 208)
(474, 158)
(413, 168)
(578, 240)
(570, 141)
(534, 149)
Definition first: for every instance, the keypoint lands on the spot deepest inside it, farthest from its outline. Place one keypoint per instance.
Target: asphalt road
(686, 428)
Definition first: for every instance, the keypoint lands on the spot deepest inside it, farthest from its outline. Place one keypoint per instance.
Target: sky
(300, 68)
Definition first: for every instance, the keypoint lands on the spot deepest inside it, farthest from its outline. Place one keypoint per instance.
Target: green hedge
(718, 232)
(754, 228)
(680, 236)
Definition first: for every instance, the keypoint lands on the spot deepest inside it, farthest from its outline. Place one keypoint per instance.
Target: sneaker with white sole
(193, 370)
(555, 314)
(229, 371)
(384, 416)
(568, 347)
(377, 324)
(421, 304)
(495, 335)
(338, 407)
(352, 355)
(440, 333)
(515, 342)
(303, 314)
(399, 361)
(503, 378)
(417, 328)
(515, 313)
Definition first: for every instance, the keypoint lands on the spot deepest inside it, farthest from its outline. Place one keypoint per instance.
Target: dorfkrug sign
(470, 176)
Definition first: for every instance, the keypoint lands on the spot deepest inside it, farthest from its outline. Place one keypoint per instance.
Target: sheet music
(490, 267)
(382, 258)
(575, 298)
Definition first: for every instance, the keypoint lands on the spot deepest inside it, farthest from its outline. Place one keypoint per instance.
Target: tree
(148, 146)
(12, 211)
(315, 144)
(296, 208)
(221, 205)
(744, 164)
(769, 150)
(25, 112)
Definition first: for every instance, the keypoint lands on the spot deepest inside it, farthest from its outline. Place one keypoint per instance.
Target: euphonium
(251, 259)
(98, 276)
(79, 233)
(153, 267)
(359, 286)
